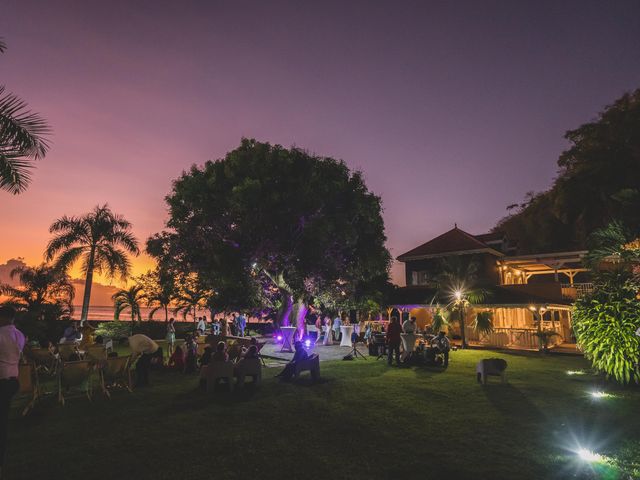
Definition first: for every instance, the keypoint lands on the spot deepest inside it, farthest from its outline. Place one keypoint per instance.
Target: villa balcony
(575, 291)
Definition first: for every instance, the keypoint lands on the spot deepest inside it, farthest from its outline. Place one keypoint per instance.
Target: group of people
(234, 325)
(439, 345)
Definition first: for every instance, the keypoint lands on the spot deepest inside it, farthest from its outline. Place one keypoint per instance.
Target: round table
(346, 331)
(287, 336)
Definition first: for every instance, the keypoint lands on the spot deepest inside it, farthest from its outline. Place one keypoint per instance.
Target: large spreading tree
(598, 180)
(266, 222)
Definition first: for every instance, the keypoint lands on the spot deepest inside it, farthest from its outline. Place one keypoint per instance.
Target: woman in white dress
(327, 331)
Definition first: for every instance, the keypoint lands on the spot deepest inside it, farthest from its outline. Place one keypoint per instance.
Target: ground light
(307, 343)
(576, 372)
(598, 394)
(589, 456)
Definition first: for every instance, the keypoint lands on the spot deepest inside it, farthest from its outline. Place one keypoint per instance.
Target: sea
(107, 314)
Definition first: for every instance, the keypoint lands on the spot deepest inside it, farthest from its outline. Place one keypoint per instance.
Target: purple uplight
(279, 338)
(307, 343)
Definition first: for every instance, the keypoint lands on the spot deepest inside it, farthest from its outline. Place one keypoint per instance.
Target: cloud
(5, 270)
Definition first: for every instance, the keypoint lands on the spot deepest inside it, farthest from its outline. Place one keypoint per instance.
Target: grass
(364, 420)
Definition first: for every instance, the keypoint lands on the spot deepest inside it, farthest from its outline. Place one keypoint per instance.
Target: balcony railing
(576, 290)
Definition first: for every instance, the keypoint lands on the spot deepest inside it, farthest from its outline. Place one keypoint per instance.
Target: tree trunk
(166, 314)
(87, 288)
(300, 315)
(463, 335)
(284, 314)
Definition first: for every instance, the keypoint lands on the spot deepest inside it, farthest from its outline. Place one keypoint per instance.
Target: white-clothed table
(346, 331)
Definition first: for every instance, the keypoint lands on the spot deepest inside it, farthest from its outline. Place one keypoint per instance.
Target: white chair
(491, 366)
(249, 367)
(408, 344)
(219, 370)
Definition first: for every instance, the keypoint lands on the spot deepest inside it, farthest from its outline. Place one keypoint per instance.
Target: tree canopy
(267, 224)
(598, 180)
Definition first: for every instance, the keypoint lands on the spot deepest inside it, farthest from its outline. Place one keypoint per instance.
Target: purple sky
(453, 110)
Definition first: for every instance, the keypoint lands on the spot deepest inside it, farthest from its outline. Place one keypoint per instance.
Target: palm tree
(130, 298)
(44, 289)
(160, 291)
(22, 140)
(460, 284)
(190, 297)
(100, 239)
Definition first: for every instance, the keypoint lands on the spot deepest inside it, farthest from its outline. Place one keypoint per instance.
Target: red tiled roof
(453, 241)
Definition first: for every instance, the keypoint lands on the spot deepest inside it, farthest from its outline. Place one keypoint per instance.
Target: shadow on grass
(510, 401)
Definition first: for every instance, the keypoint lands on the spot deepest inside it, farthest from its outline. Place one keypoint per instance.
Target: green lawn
(364, 420)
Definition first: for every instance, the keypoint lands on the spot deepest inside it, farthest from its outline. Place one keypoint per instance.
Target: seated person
(75, 356)
(191, 357)
(220, 354)
(299, 355)
(71, 334)
(442, 345)
(176, 361)
(250, 354)
(252, 343)
(206, 356)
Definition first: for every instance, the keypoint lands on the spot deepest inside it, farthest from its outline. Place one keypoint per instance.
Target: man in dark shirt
(300, 355)
(393, 340)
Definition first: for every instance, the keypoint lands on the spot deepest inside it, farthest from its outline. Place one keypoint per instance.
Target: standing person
(319, 333)
(11, 344)
(215, 327)
(393, 340)
(233, 325)
(71, 334)
(409, 325)
(190, 361)
(337, 323)
(202, 326)
(224, 328)
(327, 331)
(242, 324)
(171, 335)
(143, 349)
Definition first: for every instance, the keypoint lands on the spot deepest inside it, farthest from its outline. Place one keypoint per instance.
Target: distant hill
(100, 294)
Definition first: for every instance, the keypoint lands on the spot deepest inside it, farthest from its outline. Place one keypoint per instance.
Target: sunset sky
(453, 110)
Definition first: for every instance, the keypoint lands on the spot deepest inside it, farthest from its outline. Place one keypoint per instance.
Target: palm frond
(22, 141)
(3, 45)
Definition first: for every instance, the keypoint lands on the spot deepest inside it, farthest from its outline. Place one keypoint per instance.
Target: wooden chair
(249, 367)
(115, 372)
(29, 384)
(66, 350)
(75, 374)
(44, 360)
(219, 370)
(95, 352)
(312, 364)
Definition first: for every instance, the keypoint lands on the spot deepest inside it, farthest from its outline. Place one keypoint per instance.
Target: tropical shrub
(483, 323)
(605, 325)
(440, 320)
(115, 329)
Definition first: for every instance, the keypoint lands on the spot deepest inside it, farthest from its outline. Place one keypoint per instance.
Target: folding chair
(75, 374)
(249, 367)
(29, 384)
(96, 352)
(115, 372)
(312, 364)
(218, 370)
(43, 359)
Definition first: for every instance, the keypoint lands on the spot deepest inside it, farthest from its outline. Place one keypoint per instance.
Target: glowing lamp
(307, 343)
(458, 295)
(279, 338)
